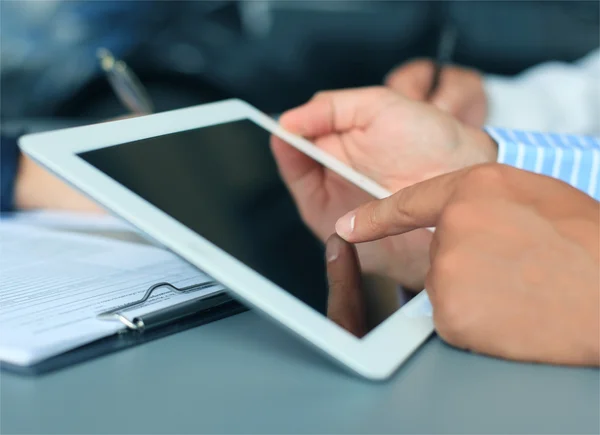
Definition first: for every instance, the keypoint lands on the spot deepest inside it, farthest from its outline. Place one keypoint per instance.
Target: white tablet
(202, 181)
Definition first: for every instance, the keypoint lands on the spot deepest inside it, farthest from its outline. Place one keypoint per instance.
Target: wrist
(479, 147)
(25, 194)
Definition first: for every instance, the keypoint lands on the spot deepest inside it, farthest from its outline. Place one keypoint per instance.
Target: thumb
(413, 80)
(450, 99)
(459, 93)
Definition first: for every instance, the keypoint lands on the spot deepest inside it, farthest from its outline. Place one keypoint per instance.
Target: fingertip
(313, 119)
(292, 121)
(284, 118)
(344, 227)
(412, 79)
(449, 99)
(333, 247)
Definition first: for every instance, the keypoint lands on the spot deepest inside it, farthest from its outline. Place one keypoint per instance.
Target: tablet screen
(222, 182)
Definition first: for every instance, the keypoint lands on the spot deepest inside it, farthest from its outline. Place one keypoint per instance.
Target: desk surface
(245, 375)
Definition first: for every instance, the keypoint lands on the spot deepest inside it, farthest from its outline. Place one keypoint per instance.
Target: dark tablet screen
(222, 182)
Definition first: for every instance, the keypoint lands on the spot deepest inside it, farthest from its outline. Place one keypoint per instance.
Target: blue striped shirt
(569, 158)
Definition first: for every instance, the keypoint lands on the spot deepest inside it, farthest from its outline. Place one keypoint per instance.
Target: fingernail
(332, 248)
(345, 225)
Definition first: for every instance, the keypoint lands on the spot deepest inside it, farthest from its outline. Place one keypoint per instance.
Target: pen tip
(106, 58)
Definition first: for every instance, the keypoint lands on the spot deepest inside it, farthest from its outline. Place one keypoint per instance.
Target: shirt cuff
(515, 148)
(507, 148)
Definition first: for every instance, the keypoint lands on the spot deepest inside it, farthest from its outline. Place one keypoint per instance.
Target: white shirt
(553, 96)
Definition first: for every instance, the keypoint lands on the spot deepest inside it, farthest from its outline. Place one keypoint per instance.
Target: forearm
(36, 188)
(26, 185)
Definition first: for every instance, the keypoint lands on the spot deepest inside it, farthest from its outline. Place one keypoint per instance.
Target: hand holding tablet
(202, 181)
(388, 138)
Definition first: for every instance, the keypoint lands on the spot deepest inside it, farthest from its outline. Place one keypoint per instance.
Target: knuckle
(489, 175)
(377, 93)
(374, 221)
(401, 213)
(474, 75)
(417, 66)
(395, 76)
(320, 95)
(451, 320)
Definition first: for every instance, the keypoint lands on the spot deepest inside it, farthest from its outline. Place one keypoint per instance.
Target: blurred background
(274, 54)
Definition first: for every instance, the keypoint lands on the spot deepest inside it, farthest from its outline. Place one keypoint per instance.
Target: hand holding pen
(456, 90)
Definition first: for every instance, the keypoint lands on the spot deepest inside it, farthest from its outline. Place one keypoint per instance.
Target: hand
(514, 260)
(460, 91)
(394, 141)
(36, 188)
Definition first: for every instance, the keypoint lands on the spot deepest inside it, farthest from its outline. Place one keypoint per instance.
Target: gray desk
(245, 375)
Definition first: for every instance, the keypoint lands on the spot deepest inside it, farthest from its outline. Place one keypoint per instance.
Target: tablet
(202, 182)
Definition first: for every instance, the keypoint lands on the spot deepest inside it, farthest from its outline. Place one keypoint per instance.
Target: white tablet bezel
(375, 356)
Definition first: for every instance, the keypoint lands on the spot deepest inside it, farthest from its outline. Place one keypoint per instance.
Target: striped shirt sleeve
(569, 158)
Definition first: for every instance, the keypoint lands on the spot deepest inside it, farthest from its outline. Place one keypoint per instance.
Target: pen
(125, 84)
(444, 55)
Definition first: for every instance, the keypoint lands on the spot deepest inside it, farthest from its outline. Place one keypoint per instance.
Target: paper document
(53, 284)
(66, 220)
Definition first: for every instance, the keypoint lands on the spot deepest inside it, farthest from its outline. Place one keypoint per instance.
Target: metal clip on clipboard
(167, 314)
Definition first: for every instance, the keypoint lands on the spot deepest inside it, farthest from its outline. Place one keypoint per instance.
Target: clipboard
(141, 329)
